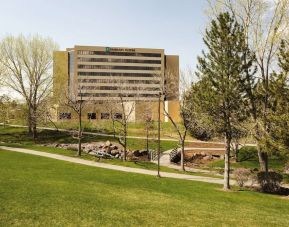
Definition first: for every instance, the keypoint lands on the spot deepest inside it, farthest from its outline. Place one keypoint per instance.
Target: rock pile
(103, 150)
(175, 156)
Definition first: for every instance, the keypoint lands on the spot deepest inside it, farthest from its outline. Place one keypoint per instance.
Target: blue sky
(174, 25)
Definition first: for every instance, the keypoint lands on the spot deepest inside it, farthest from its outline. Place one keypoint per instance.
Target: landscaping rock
(136, 153)
(114, 152)
(143, 152)
(108, 143)
(113, 147)
(207, 157)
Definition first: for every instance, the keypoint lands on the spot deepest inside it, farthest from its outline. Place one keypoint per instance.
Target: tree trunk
(227, 164)
(263, 160)
(236, 148)
(159, 135)
(29, 122)
(79, 130)
(263, 156)
(34, 122)
(147, 141)
(79, 144)
(34, 131)
(125, 142)
(183, 155)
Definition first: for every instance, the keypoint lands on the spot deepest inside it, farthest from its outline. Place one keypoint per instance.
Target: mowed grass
(19, 135)
(248, 158)
(38, 191)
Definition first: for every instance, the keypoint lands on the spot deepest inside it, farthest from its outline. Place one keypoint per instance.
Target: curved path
(115, 167)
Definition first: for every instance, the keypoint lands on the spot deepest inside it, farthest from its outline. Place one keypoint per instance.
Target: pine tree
(277, 138)
(221, 69)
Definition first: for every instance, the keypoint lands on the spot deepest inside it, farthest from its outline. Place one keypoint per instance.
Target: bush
(248, 153)
(201, 133)
(270, 181)
(175, 156)
(242, 175)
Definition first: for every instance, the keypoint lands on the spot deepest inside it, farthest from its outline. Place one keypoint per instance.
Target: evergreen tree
(221, 70)
(277, 138)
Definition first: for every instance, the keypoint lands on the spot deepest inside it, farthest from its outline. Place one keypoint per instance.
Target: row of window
(118, 67)
(118, 60)
(89, 52)
(116, 95)
(120, 88)
(91, 116)
(108, 81)
(115, 74)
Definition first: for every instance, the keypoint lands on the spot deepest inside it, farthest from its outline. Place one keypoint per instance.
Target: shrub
(242, 175)
(175, 156)
(247, 153)
(270, 181)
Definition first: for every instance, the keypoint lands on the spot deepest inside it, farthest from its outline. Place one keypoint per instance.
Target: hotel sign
(112, 49)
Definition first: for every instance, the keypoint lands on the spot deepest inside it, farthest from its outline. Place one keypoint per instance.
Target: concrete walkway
(115, 167)
(165, 161)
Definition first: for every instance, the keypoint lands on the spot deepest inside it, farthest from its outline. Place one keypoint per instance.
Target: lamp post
(159, 132)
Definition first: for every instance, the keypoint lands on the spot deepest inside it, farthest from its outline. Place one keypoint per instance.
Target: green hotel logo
(107, 49)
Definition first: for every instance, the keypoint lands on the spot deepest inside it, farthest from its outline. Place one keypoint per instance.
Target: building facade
(105, 76)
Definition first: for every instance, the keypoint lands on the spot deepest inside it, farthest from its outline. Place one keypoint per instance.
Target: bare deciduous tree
(167, 86)
(121, 110)
(74, 100)
(27, 64)
(149, 124)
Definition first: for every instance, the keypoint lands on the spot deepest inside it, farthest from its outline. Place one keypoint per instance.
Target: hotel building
(103, 75)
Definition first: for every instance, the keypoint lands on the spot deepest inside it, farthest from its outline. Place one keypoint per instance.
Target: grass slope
(16, 135)
(44, 192)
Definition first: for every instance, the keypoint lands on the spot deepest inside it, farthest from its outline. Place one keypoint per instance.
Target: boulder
(108, 150)
(136, 153)
(207, 157)
(72, 147)
(113, 147)
(114, 152)
(108, 143)
(143, 152)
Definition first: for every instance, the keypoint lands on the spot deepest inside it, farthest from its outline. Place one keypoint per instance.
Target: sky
(173, 25)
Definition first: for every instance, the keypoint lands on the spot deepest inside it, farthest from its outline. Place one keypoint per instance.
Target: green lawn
(274, 163)
(19, 135)
(134, 164)
(38, 191)
(105, 126)
(248, 158)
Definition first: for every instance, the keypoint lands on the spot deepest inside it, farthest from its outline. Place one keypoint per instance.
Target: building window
(117, 116)
(64, 116)
(91, 116)
(104, 116)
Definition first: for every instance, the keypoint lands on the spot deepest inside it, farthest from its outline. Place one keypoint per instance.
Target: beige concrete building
(107, 76)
